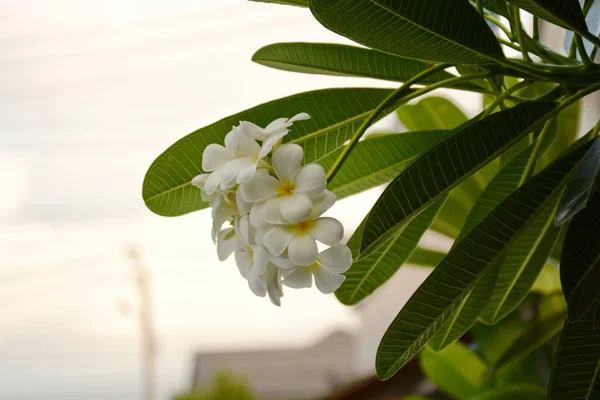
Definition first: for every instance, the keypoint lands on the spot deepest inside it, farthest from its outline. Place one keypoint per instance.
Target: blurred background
(100, 298)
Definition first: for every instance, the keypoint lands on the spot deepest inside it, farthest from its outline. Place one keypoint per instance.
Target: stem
(520, 33)
(595, 130)
(509, 44)
(581, 47)
(530, 168)
(503, 96)
(500, 25)
(395, 95)
(480, 7)
(536, 29)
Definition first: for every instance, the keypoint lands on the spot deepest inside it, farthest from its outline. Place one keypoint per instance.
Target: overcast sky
(90, 93)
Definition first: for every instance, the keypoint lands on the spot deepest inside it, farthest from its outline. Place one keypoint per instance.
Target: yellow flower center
(286, 188)
(303, 227)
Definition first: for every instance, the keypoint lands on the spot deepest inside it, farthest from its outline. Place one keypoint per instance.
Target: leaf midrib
(488, 56)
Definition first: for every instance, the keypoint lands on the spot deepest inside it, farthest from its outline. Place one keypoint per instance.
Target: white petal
(310, 179)
(272, 212)
(253, 130)
(243, 259)
(287, 159)
(242, 230)
(215, 156)
(277, 240)
(260, 257)
(226, 243)
(276, 124)
(257, 217)
(327, 282)
(212, 182)
(322, 203)
(261, 187)
(257, 285)
(327, 230)
(245, 143)
(299, 117)
(247, 173)
(200, 180)
(222, 214)
(300, 278)
(273, 280)
(229, 139)
(231, 170)
(336, 259)
(270, 142)
(296, 208)
(282, 262)
(243, 206)
(303, 250)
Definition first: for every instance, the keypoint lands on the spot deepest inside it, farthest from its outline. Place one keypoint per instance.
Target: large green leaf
(537, 334)
(456, 371)
(448, 284)
(469, 310)
(566, 13)
(440, 113)
(493, 341)
(335, 116)
(338, 59)
(575, 375)
(426, 257)
(521, 265)
(517, 392)
(366, 275)
(378, 160)
(299, 3)
(466, 313)
(580, 261)
(580, 186)
(429, 30)
(446, 165)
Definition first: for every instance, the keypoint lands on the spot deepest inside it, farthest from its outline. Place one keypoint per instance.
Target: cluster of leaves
(515, 188)
(224, 386)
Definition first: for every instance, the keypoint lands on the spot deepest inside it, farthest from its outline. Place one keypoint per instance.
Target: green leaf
(378, 160)
(521, 265)
(447, 285)
(368, 274)
(580, 261)
(299, 3)
(428, 30)
(562, 134)
(343, 60)
(426, 257)
(537, 334)
(565, 13)
(335, 115)
(580, 186)
(440, 113)
(456, 371)
(493, 341)
(446, 165)
(496, 6)
(517, 392)
(577, 363)
(466, 313)
(431, 113)
(548, 280)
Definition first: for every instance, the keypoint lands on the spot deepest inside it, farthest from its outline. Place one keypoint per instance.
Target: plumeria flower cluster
(267, 211)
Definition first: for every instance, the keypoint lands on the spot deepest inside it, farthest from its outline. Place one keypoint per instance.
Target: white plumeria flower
(200, 182)
(272, 279)
(299, 238)
(214, 159)
(287, 195)
(327, 270)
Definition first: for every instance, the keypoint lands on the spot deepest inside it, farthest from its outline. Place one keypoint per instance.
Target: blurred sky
(90, 93)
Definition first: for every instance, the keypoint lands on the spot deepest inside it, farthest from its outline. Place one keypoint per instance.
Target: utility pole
(142, 280)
